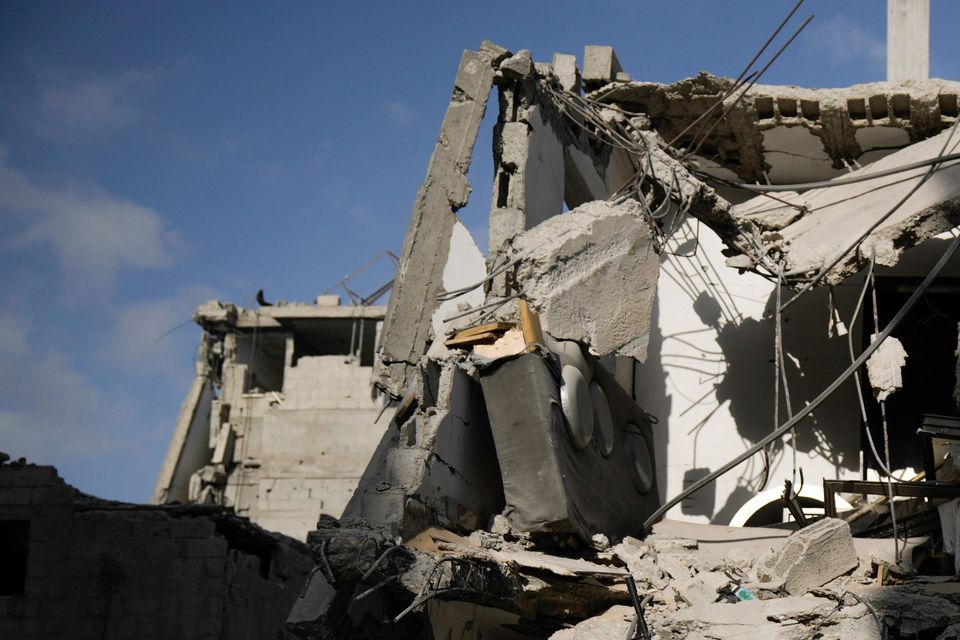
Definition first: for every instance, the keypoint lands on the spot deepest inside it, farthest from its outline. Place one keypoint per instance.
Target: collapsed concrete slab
(817, 226)
(592, 275)
(811, 557)
(785, 133)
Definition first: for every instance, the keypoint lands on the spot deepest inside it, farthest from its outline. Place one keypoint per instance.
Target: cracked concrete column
(406, 327)
(528, 156)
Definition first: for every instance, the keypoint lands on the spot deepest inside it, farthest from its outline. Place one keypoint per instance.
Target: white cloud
(147, 336)
(51, 410)
(402, 114)
(840, 41)
(70, 108)
(93, 234)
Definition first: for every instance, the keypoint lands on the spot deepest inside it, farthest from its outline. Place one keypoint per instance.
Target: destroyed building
(281, 417)
(680, 284)
(701, 383)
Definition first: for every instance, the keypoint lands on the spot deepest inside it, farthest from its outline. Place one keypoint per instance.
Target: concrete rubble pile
(512, 493)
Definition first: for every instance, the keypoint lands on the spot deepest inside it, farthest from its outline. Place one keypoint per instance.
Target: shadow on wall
(746, 385)
(812, 360)
(650, 391)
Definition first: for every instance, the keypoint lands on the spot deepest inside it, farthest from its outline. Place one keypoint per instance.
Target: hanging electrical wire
(816, 402)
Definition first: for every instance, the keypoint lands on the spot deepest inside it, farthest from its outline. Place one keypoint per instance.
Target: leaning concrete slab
(406, 328)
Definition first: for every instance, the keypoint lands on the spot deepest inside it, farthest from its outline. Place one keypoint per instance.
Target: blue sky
(153, 156)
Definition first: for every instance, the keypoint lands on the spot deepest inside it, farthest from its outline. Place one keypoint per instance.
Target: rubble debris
(591, 275)
(615, 622)
(811, 557)
(885, 367)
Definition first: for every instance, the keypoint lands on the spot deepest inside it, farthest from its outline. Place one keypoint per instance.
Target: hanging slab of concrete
(838, 215)
(406, 328)
(788, 134)
(591, 274)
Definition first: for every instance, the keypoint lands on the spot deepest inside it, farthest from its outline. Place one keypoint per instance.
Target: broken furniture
(906, 489)
(939, 428)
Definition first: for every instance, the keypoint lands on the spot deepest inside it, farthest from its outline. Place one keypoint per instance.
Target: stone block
(519, 65)
(565, 68)
(600, 66)
(592, 274)
(811, 557)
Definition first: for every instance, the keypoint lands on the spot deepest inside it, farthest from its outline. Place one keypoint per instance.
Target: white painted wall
(709, 379)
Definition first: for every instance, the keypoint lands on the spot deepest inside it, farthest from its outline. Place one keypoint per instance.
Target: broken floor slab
(789, 134)
(836, 215)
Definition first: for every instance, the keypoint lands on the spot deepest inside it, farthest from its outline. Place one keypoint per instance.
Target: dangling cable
(886, 431)
(783, 374)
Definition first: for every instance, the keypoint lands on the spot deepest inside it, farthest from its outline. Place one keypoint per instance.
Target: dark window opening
(788, 107)
(948, 105)
(14, 544)
(503, 188)
(810, 109)
(263, 352)
(901, 106)
(878, 107)
(764, 108)
(857, 109)
(348, 337)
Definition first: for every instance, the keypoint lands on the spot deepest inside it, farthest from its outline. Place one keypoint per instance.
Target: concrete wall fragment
(592, 276)
(406, 328)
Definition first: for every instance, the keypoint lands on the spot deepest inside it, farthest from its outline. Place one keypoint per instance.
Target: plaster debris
(811, 557)
(885, 368)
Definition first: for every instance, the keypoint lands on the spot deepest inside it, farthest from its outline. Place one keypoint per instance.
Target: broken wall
(293, 420)
(96, 569)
